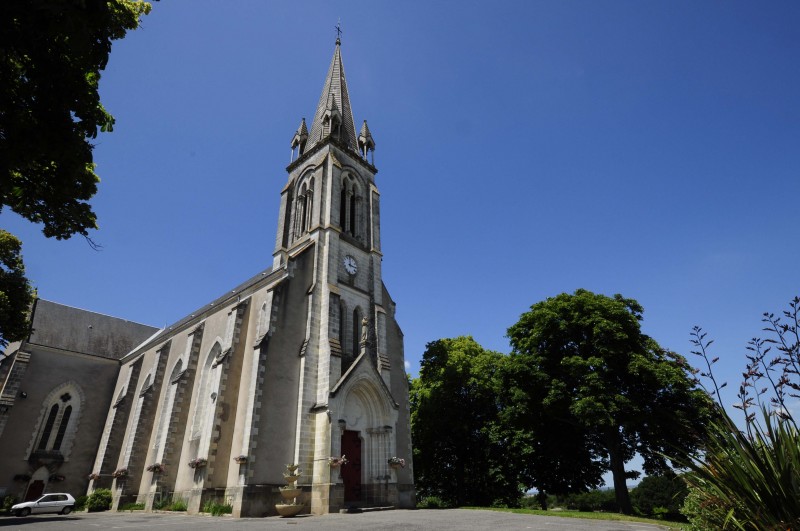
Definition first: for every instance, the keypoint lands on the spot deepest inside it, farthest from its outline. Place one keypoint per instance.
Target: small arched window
(166, 410)
(206, 393)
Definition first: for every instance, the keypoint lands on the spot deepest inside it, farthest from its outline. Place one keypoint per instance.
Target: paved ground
(420, 520)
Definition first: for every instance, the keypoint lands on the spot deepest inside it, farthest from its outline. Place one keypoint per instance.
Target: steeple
(299, 139)
(366, 142)
(334, 116)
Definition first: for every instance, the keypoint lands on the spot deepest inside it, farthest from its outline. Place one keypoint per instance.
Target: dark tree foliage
(553, 456)
(51, 55)
(605, 392)
(667, 491)
(454, 414)
(16, 295)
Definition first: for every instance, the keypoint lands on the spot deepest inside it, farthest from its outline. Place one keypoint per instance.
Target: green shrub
(178, 505)
(592, 501)
(753, 474)
(132, 507)
(747, 478)
(99, 500)
(529, 502)
(661, 513)
(167, 504)
(80, 502)
(8, 502)
(433, 502)
(217, 509)
(703, 512)
(539, 501)
(665, 492)
(161, 504)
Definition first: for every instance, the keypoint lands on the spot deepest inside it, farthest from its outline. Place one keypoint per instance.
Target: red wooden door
(35, 490)
(351, 472)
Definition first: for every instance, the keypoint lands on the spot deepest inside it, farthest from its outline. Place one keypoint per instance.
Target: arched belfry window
(309, 205)
(303, 208)
(350, 206)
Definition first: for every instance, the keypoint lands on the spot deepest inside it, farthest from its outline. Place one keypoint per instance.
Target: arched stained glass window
(48, 428)
(62, 428)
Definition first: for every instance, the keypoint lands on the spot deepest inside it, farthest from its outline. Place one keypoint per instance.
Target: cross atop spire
(339, 32)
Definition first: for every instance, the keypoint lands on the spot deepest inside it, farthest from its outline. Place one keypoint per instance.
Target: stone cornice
(343, 148)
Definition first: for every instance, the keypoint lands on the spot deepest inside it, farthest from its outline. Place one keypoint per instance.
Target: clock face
(350, 265)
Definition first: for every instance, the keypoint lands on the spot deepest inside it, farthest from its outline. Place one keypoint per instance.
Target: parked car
(53, 502)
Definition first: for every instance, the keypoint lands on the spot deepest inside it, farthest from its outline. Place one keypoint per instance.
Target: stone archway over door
(37, 484)
(351, 472)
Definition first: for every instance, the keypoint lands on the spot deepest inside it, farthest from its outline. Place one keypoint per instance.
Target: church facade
(301, 364)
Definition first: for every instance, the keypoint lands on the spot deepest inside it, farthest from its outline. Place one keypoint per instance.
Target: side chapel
(301, 363)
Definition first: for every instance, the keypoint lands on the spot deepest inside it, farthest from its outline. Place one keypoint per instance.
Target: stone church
(299, 364)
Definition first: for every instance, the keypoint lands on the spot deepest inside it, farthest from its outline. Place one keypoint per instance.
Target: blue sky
(524, 149)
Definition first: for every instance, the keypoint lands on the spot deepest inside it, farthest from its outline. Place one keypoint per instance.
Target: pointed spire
(300, 136)
(365, 141)
(333, 115)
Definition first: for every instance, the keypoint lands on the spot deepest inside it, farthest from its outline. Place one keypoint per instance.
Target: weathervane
(339, 31)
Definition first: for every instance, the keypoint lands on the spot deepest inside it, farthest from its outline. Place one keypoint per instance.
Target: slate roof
(71, 329)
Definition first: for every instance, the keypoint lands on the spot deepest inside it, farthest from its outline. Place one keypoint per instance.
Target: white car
(53, 502)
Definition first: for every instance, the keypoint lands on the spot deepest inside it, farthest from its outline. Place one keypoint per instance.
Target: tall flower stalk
(749, 479)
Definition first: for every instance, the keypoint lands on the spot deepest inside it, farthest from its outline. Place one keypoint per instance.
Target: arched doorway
(351, 474)
(37, 484)
(366, 440)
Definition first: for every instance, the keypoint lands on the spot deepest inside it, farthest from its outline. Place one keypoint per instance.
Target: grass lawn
(587, 516)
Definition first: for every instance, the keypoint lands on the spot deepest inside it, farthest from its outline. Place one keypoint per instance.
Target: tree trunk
(542, 499)
(618, 471)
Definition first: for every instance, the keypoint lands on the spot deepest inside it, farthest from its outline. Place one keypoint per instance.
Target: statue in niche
(364, 323)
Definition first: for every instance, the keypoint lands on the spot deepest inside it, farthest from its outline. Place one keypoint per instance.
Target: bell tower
(352, 389)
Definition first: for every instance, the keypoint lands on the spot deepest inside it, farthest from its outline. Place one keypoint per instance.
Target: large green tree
(596, 380)
(51, 56)
(454, 414)
(553, 456)
(16, 294)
